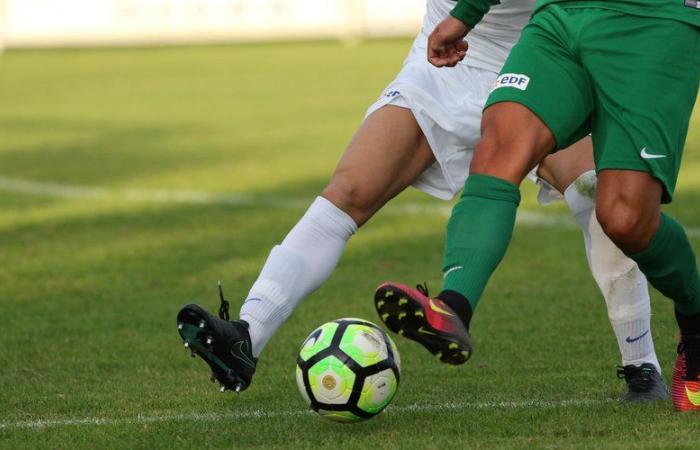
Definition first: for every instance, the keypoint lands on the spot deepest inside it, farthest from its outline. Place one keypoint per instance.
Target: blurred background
(53, 23)
(149, 148)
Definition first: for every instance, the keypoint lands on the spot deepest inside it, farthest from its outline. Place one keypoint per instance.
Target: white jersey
(491, 40)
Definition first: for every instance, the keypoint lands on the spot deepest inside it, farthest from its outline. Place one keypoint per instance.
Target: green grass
(89, 288)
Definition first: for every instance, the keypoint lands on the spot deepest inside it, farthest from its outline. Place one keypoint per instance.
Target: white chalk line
(214, 417)
(69, 191)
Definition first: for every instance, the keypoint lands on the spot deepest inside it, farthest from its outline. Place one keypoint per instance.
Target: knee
(627, 225)
(349, 196)
(504, 151)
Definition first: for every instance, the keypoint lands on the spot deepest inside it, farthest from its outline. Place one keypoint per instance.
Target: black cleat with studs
(644, 383)
(224, 345)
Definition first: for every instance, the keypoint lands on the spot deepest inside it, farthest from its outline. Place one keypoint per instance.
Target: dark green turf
(89, 289)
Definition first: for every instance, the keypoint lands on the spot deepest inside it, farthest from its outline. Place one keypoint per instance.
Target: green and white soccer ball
(348, 370)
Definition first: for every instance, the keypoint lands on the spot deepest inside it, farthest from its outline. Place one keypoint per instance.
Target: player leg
(624, 287)
(644, 102)
(387, 154)
(527, 116)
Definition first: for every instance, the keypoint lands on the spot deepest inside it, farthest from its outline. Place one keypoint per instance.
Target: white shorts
(447, 104)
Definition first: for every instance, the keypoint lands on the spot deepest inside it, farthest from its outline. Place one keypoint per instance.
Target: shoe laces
(638, 378)
(690, 347)
(224, 308)
(423, 289)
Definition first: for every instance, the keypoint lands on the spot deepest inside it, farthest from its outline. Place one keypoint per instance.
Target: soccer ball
(348, 370)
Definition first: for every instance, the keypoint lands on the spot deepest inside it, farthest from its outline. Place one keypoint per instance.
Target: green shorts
(630, 81)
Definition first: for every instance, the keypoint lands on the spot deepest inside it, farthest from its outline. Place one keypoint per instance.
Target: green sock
(478, 234)
(669, 264)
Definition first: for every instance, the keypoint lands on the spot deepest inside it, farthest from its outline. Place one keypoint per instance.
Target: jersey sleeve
(471, 11)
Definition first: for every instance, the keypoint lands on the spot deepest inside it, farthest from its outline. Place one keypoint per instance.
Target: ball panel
(300, 384)
(348, 370)
(331, 381)
(318, 340)
(377, 391)
(394, 350)
(364, 344)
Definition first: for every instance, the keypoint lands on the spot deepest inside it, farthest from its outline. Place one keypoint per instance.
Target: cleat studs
(202, 324)
(186, 344)
(402, 301)
(193, 353)
(222, 388)
(380, 303)
(400, 332)
(238, 388)
(402, 315)
(453, 346)
(419, 314)
(465, 354)
(438, 355)
(388, 294)
(385, 316)
(179, 325)
(212, 378)
(209, 340)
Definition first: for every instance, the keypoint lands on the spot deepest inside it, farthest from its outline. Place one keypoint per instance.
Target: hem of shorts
(638, 166)
(536, 109)
(437, 193)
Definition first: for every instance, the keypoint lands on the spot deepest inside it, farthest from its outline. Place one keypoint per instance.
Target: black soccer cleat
(224, 345)
(644, 383)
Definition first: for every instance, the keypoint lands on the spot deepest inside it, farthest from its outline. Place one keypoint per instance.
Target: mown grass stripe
(69, 191)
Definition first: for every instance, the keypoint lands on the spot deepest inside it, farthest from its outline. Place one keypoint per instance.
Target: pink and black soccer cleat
(412, 313)
(686, 375)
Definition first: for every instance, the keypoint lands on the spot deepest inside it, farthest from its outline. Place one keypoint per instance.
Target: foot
(644, 383)
(686, 375)
(429, 321)
(224, 345)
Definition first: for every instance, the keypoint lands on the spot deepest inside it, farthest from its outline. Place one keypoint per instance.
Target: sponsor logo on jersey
(692, 4)
(391, 94)
(514, 80)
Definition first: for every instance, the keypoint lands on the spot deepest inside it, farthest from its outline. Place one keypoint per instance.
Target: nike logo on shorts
(646, 155)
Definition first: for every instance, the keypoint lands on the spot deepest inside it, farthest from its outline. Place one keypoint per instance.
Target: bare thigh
(388, 153)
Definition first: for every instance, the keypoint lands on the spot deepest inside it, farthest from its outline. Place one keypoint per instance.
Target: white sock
(295, 268)
(623, 285)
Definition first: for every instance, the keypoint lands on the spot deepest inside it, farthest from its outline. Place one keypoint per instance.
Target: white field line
(69, 191)
(261, 414)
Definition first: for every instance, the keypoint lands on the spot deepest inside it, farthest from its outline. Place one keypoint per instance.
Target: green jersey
(688, 11)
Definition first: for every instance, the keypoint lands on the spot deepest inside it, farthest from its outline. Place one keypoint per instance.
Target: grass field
(132, 180)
